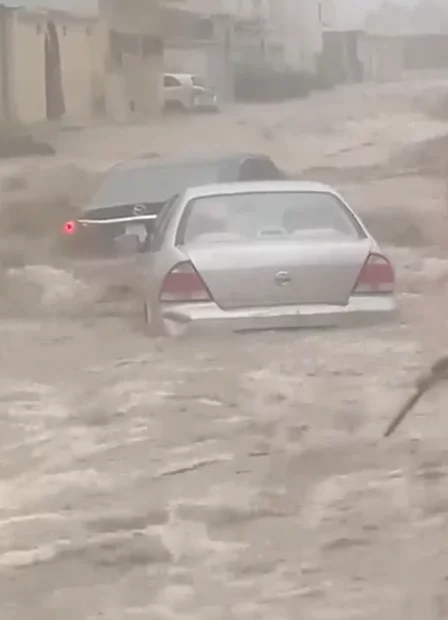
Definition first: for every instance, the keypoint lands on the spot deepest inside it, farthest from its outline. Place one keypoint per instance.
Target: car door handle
(282, 277)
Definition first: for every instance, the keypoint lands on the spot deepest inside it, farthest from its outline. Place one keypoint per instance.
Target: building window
(64, 30)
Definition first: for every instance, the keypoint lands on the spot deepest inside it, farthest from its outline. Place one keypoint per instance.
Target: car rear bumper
(208, 102)
(360, 311)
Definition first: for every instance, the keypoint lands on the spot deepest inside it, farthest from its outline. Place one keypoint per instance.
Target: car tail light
(377, 276)
(69, 227)
(184, 284)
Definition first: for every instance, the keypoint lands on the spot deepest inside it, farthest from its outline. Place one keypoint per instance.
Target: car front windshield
(295, 216)
(151, 184)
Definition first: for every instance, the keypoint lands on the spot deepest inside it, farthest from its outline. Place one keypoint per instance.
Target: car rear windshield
(147, 184)
(273, 216)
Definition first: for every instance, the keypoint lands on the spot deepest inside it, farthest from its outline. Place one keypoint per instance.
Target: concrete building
(382, 57)
(285, 33)
(200, 44)
(60, 65)
(298, 27)
(45, 65)
(130, 48)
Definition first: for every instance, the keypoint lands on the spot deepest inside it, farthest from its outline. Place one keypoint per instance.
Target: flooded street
(237, 476)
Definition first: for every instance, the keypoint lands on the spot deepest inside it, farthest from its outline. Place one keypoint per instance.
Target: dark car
(133, 193)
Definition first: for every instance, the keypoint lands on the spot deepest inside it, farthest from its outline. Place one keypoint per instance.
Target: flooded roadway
(241, 477)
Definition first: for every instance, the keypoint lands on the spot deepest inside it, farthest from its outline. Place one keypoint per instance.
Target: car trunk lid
(269, 273)
(96, 229)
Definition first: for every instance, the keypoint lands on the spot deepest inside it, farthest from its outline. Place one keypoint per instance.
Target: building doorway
(53, 75)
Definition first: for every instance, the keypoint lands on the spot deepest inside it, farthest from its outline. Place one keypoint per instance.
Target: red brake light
(69, 227)
(377, 276)
(184, 284)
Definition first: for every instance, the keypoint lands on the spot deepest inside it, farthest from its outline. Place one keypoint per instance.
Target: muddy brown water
(236, 477)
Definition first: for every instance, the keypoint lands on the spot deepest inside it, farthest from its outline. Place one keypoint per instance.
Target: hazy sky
(54, 4)
(352, 14)
(348, 14)
(349, 5)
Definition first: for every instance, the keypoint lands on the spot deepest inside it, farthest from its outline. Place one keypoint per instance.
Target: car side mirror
(127, 244)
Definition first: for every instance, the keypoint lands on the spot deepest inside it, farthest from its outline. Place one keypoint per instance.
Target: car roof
(257, 186)
(155, 161)
(180, 75)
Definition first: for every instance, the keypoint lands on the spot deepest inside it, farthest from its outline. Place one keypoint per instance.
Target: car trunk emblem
(139, 209)
(282, 278)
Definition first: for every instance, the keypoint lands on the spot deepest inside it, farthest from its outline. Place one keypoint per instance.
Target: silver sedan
(263, 255)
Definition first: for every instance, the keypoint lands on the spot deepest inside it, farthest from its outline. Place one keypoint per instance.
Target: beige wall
(90, 87)
(133, 90)
(5, 102)
(134, 93)
(81, 66)
(98, 54)
(298, 27)
(132, 16)
(382, 58)
(76, 67)
(244, 9)
(186, 60)
(27, 58)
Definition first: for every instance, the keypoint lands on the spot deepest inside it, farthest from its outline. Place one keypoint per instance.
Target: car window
(255, 216)
(170, 81)
(161, 225)
(259, 170)
(152, 183)
(197, 81)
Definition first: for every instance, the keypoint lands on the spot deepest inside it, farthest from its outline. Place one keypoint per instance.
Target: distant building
(202, 44)
(298, 28)
(285, 33)
(130, 51)
(60, 65)
(45, 65)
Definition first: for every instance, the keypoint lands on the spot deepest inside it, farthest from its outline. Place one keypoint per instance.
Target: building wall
(98, 43)
(382, 58)
(27, 64)
(288, 31)
(92, 85)
(298, 27)
(211, 56)
(5, 63)
(348, 15)
(132, 82)
(426, 51)
(243, 9)
(184, 59)
(76, 67)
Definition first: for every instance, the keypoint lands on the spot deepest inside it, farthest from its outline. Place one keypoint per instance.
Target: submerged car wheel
(151, 328)
(146, 314)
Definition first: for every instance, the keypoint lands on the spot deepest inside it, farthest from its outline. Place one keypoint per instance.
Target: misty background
(351, 14)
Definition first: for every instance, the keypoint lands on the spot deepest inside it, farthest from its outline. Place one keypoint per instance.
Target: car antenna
(437, 373)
